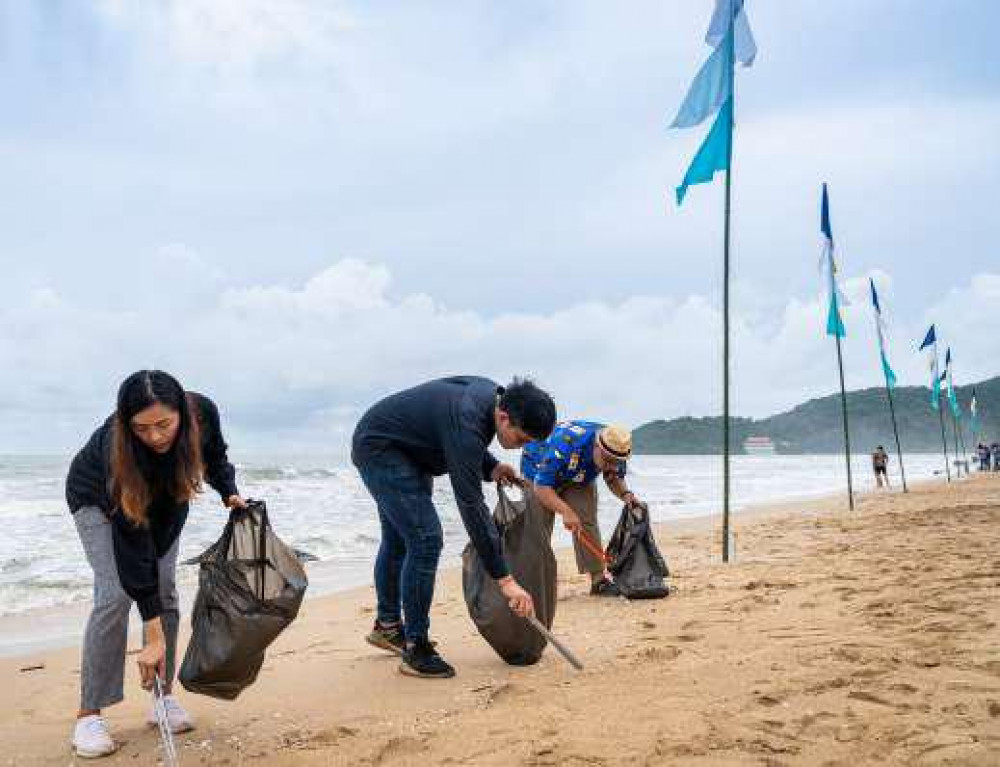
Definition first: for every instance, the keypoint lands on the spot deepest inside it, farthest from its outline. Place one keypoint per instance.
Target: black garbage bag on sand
(250, 586)
(639, 569)
(526, 530)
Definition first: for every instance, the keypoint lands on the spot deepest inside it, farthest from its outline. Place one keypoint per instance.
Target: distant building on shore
(758, 446)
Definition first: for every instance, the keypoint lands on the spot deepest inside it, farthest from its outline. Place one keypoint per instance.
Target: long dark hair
(136, 474)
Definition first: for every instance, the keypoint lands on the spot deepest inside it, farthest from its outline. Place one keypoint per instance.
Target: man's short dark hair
(530, 409)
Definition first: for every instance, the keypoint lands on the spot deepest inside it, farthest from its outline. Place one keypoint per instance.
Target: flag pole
(957, 442)
(957, 415)
(937, 395)
(895, 432)
(889, 379)
(725, 292)
(843, 404)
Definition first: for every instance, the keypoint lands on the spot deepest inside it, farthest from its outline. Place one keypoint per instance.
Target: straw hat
(616, 441)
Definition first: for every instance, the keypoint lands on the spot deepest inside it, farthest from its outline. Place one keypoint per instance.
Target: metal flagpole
(895, 432)
(955, 442)
(725, 292)
(937, 396)
(843, 404)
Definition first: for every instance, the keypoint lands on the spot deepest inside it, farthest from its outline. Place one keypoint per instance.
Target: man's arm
(550, 500)
(616, 484)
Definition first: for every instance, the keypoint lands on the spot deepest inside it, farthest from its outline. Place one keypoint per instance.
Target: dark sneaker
(388, 638)
(421, 659)
(605, 588)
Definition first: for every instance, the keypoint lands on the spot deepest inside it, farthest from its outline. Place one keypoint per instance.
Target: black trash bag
(526, 530)
(639, 569)
(250, 586)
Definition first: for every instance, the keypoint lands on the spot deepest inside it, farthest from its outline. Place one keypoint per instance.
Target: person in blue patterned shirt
(563, 470)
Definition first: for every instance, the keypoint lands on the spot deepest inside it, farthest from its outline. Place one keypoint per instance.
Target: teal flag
(834, 322)
(953, 401)
(713, 155)
(890, 376)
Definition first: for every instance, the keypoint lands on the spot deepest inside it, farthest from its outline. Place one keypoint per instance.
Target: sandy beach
(834, 638)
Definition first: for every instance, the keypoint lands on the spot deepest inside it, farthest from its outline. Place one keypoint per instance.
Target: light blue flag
(890, 375)
(746, 47)
(708, 91)
(713, 155)
(930, 343)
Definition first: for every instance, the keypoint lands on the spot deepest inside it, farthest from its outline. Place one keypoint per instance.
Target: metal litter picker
(563, 649)
(163, 723)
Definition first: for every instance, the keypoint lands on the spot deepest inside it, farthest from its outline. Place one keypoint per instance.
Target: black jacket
(444, 427)
(138, 548)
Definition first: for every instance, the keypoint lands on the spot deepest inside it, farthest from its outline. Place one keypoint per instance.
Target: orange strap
(592, 547)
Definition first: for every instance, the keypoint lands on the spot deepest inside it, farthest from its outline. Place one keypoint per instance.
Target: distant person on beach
(563, 470)
(995, 449)
(399, 446)
(880, 464)
(984, 457)
(129, 489)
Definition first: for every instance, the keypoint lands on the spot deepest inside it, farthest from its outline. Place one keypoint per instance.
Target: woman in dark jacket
(129, 490)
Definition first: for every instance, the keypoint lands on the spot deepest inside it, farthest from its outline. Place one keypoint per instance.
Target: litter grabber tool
(563, 649)
(592, 547)
(163, 723)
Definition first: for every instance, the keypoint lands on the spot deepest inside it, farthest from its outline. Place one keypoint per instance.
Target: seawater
(319, 505)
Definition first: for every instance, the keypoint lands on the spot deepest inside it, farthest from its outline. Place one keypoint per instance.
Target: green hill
(815, 426)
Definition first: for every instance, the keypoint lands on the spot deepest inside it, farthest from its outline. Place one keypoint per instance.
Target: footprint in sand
(867, 697)
(689, 637)
(398, 746)
(660, 653)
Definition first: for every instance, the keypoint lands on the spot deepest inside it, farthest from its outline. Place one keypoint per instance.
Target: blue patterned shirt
(566, 457)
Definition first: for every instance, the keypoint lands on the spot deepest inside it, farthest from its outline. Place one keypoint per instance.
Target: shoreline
(55, 628)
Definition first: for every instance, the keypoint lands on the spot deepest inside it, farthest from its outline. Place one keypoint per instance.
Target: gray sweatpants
(102, 669)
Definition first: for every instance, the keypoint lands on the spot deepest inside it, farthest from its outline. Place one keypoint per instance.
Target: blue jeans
(406, 565)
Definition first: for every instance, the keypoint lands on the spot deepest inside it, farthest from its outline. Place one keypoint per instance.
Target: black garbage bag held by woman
(250, 587)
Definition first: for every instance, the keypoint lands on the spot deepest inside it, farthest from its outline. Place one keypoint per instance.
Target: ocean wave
(275, 473)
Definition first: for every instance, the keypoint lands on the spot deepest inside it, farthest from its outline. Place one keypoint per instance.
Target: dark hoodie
(137, 548)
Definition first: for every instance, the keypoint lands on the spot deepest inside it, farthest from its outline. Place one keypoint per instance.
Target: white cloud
(236, 36)
(298, 364)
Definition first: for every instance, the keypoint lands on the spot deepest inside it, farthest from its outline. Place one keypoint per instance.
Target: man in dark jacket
(399, 446)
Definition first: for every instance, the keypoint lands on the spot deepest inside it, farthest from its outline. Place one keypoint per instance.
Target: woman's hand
(519, 600)
(235, 502)
(152, 659)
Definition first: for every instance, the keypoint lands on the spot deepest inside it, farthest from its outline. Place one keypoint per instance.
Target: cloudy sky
(297, 205)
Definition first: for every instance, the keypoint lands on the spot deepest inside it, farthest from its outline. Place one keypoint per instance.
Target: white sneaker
(179, 719)
(91, 737)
